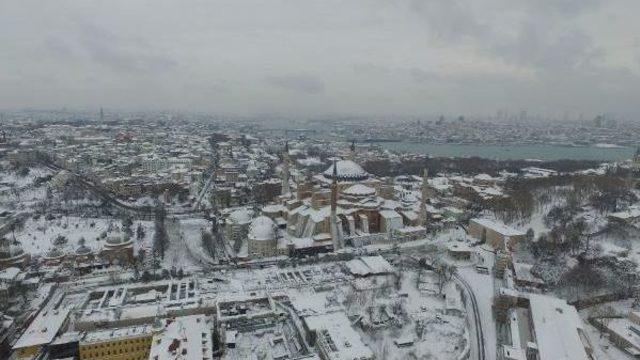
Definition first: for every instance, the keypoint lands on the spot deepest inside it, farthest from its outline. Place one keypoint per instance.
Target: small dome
(241, 216)
(346, 170)
(262, 228)
(54, 253)
(114, 240)
(11, 251)
(83, 250)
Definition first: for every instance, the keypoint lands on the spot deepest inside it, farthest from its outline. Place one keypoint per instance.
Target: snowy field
(185, 246)
(37, 235)
(13, 179)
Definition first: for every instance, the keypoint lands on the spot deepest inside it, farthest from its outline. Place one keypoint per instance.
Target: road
(411, 260)
(479, 349)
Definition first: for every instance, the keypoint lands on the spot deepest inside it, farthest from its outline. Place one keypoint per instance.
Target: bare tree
(445, 273)
(581, 277)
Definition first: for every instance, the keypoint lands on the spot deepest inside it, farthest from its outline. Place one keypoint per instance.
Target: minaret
(424, 197)
(285, 171)
(336, 234)
(352, 152)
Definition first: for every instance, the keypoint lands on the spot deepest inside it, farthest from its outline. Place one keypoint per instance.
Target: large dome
(346, 170)
(262, 229)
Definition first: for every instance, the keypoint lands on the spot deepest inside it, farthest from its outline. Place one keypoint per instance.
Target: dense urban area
(169, 235)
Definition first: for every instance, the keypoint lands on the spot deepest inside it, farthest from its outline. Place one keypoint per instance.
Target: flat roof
(367, 265)
(111, 334)
(43, 329)
(498, 227)
(185, 337)
(348, 343)
(623, 328)
(557, 329)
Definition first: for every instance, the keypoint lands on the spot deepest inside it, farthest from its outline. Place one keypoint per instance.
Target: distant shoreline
(545, 152)
(569, 145)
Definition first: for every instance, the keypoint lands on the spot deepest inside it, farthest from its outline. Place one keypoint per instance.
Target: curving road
(481, 355)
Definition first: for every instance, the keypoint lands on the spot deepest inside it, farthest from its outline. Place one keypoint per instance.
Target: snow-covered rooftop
(359, 190)
(336, 328)
(262, 228)
(498, 227)
(368, 265)
(44, 327)
(558, 329)
(186, 337)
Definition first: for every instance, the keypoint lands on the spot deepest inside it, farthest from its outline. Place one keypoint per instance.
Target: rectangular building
(494, 233)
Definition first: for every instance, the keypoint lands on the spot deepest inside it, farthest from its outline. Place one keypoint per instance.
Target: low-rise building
(498, 235)
(128, 343)
(334, 337)
(186, 337)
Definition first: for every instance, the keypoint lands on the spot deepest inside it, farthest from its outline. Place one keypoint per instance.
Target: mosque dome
(54, 253)
(114, 240)
(346, 170)
(11, 251)
(262, 228)
(241, 216)
(83, 250)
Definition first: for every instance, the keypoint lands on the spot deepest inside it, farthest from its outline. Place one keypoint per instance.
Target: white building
(186, 337)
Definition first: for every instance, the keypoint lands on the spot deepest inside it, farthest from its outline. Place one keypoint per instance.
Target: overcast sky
(303, 57)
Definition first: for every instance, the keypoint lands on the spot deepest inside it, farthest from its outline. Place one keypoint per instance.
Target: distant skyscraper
(101, 115)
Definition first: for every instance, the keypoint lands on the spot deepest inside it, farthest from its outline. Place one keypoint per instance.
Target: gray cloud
(298, 83)
(449, 20)
(119, 53)
(302, 58)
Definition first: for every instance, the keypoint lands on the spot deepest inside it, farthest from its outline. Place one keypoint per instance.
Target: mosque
(336, 208)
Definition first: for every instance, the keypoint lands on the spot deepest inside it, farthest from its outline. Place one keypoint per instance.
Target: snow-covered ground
(14, 179)
(185, 249)
(603, 349)
(38, 235)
